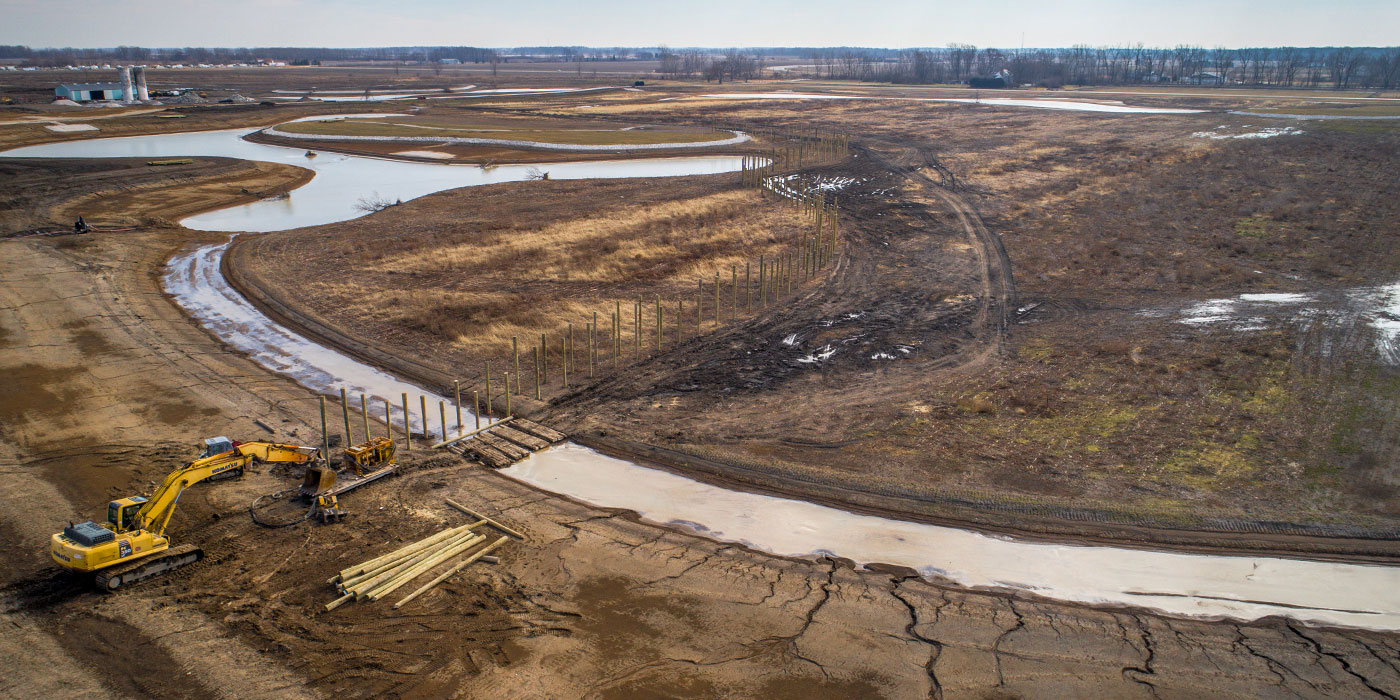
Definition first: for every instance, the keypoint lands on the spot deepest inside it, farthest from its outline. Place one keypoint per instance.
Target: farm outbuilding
(86, 92)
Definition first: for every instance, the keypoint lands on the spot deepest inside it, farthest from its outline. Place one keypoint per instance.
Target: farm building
(86, 92)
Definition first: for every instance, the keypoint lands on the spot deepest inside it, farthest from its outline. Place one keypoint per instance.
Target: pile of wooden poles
(382, 575)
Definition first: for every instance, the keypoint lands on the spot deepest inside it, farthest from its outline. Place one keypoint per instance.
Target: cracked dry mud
(593, 604)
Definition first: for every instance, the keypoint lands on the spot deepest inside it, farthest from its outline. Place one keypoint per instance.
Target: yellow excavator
(131, 545)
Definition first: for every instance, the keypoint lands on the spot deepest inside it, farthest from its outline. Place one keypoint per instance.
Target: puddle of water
(1243, 588)
(342, 181)
(1072, 105)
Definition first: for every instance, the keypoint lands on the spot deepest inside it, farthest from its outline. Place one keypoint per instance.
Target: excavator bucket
(318, 479)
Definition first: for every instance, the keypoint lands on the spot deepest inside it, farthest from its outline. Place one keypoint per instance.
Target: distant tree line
(290, 54)
(731, 65)
(1284, 66)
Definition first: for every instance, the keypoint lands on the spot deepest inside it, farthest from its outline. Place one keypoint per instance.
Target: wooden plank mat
(488, 455)
(515, 452)
(537, 430)
(529, 442)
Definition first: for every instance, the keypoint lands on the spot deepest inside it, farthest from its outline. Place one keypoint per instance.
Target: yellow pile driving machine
(368, 461)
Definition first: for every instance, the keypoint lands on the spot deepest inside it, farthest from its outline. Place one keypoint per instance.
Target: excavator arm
(278, 452)
(156, 514)
(161, 505)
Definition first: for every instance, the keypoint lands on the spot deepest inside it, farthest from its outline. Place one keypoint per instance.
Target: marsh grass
(475, 289)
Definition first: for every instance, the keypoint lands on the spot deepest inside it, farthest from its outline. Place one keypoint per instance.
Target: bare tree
(374, 203)
(1222, 59)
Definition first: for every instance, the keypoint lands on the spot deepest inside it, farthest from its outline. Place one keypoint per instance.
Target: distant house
(1002, 79)
(1204, 78)
(87, 92)
(450, 61)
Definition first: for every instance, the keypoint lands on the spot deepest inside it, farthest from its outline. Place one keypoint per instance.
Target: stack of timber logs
(373, 579)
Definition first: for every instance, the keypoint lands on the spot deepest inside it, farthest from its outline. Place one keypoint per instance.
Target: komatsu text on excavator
(131, 545)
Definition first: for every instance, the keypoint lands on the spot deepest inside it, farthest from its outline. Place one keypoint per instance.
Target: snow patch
(68, 128)
(426, 154)
(1266, 133)
(819, 356)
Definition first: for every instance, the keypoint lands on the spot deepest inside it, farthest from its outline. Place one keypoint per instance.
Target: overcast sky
(880, 23)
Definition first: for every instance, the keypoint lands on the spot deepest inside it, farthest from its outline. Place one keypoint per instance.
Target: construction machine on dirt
(360, 464)
(131, 545)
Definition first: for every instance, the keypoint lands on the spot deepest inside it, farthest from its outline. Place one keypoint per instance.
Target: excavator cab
(121, 514)
(216, 446)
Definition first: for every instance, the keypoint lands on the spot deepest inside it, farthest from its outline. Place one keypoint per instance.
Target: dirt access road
(108, 386)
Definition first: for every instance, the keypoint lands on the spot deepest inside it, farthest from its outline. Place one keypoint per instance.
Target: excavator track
(118, 577)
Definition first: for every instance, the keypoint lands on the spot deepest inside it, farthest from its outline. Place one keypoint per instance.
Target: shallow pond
(342, 181)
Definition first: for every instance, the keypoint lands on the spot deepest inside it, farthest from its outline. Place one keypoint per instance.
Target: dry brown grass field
(459, 292)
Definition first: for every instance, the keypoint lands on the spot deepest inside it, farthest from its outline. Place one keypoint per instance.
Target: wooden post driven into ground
(457, 389)
(748, 287)
(364, 413)
(658, 324)
(423, 409)
(716, 298)
(345, 414)
(734, 283)
(762, 283)
(442, 416)
(536, 350)
(507, 395)
(325, 437)
(407, 431)
(476, 408)
(637, 332)
(487, 365)
(515, 350)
